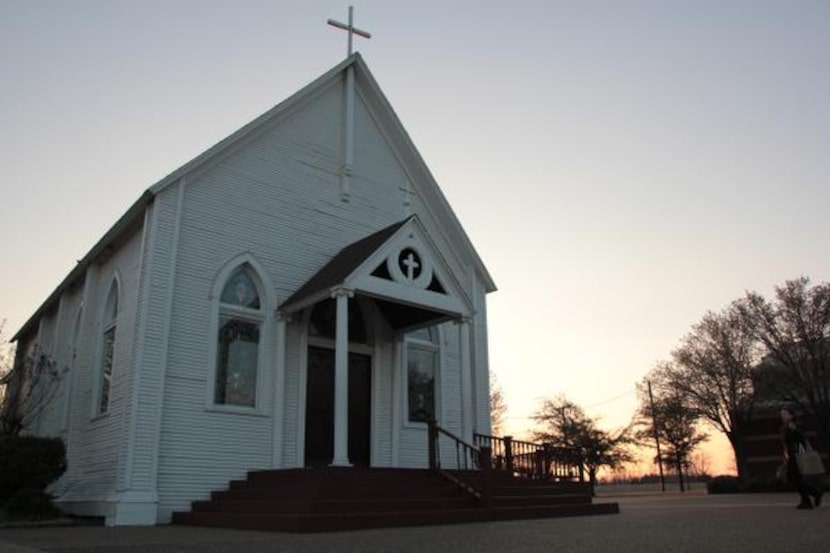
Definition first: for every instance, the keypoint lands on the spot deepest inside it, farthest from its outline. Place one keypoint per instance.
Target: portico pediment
(399, 265)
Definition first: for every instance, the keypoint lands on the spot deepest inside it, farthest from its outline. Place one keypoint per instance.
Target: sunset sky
(621, 166)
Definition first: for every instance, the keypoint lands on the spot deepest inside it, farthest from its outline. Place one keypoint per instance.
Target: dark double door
(319, 418)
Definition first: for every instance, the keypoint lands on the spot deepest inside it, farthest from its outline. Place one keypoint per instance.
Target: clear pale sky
(621, 166)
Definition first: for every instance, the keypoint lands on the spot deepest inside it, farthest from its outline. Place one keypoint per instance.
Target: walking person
(793, 440)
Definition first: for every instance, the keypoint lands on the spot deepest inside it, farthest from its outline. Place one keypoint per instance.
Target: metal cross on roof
(350, 28)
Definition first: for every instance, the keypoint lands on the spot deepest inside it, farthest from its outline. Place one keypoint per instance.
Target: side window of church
(237, 354)
(107, 348)
(422, 370)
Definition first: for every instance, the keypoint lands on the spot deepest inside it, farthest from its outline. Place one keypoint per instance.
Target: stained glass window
(240, 290)
(238, 353)
(110, 318)
(106, 369)
(238, 341)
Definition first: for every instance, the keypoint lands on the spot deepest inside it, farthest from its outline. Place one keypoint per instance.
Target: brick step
(540, 491)
(356, 521)
(333, 506)
(357, 485)
(329, 499)
(390, 492)
(347, 474)
(539, 500)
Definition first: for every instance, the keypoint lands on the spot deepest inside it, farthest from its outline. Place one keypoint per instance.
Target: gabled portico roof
(400, 266)
(337, 270)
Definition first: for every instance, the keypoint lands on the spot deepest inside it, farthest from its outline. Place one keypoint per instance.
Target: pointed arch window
(109, 324)
(422, 365)
(238, 349)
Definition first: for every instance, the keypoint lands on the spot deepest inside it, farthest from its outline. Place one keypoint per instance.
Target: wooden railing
(448, 453)
(530, 460)
(452, 457)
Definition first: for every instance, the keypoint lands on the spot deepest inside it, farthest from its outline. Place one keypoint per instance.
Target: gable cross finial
(350, 28)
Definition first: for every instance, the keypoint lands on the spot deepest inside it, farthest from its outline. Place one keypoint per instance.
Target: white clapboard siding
(94, 442)
(383, 408)
(481, 368)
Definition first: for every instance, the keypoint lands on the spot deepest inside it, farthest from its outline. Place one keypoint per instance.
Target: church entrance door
(319, 422)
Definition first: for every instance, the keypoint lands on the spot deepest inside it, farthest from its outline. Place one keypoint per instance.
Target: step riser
(430, 485)
(332, 494)
(266, 507)
(537, 501)
(322, 500)
(329, 523)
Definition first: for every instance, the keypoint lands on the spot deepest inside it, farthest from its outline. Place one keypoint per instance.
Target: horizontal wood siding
(384, 396)
(159, 266)
(95, 443)
(276, 199)
(481, 368)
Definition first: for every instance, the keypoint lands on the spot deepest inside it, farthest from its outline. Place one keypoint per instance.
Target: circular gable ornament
(410, 263)
(408, 266)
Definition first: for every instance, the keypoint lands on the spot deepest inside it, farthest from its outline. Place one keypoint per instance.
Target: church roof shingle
(343, 264)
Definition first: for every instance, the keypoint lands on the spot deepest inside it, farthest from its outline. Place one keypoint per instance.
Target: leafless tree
(700, 465)
(563, 423)
(795, 331)
(29, 384)
(498, 406)
(6, 358)
(713, 369)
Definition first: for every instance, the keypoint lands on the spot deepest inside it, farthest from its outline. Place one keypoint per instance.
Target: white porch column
(468, 425)
(279, 390)
(341, 379)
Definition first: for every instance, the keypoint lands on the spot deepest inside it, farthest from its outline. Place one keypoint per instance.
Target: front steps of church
(337, 499)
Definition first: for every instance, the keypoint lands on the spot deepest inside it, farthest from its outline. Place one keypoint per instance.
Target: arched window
(241, 316)
(108, 326)
(422, 359)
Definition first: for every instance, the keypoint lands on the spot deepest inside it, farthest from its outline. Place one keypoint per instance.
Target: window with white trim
(241, 316)
(422, 359)
(109, 324)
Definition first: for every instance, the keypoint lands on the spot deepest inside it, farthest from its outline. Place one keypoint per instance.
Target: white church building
(301, 294)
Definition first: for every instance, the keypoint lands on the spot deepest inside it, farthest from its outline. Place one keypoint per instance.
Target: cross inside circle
(410, 263)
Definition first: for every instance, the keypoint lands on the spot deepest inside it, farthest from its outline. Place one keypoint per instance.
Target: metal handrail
(467, 458)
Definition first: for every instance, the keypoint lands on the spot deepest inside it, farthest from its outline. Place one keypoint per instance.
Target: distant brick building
(765, 451)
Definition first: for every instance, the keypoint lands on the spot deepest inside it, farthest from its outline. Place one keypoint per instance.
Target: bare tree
(6, 359)
(498, 406)
(795, 330)
(28, 385)
(563, 423)
(713, 368)
(671, 418)
(700, 465)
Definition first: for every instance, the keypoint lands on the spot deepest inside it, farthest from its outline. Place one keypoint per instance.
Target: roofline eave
(133, 216)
